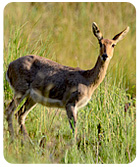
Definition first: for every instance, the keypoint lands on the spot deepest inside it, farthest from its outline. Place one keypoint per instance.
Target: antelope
(46, 82)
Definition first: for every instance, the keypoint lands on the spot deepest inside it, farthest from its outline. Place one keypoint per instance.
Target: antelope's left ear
(121, 35)
(97, 31)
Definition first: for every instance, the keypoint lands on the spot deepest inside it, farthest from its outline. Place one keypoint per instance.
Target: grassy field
(62, 32)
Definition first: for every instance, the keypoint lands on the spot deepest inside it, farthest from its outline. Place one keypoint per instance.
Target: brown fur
(54, 85)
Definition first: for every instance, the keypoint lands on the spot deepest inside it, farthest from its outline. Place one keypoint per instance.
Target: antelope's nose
(104, 56)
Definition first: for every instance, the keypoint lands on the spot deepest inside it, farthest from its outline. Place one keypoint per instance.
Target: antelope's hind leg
(22, 114)
(9, 115)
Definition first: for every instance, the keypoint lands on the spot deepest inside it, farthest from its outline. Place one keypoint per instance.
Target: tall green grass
(62, 32)
(107, 132)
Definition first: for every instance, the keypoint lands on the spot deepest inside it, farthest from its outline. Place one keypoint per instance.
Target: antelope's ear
(121, 35)
(96, 31)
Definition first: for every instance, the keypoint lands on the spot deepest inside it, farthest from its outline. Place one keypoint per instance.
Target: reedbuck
(46, 82)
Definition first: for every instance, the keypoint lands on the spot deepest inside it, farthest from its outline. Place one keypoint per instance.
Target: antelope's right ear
(96, 31)
(121, 35)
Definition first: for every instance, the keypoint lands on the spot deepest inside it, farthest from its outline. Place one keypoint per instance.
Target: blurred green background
(62, 32)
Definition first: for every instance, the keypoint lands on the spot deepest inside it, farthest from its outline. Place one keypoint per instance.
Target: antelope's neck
(97, 74)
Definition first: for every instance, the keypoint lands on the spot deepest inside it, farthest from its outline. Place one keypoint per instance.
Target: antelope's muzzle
(104, 56)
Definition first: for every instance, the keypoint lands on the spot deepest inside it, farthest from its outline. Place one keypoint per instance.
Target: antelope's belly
(37, 96)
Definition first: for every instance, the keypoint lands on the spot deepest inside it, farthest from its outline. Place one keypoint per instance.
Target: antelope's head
(107, 45)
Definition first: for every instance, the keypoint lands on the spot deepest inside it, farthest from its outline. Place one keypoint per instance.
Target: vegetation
(62, 32)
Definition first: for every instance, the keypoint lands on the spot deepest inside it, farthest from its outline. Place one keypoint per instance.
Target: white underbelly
(37, 96)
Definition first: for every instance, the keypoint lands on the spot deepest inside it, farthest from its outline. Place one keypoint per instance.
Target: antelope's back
(35, 71)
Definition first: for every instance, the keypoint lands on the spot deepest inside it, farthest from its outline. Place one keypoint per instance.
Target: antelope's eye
(113, 45)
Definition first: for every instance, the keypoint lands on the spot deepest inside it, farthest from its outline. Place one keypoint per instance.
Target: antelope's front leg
(72, 116)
